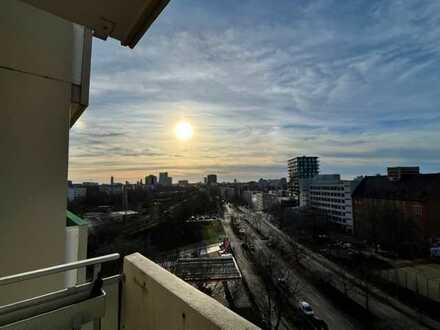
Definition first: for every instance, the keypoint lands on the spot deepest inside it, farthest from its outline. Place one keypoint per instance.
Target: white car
(306, 308)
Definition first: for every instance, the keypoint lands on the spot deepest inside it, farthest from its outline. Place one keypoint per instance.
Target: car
(346, 245)
(283, 280)
(306, 308)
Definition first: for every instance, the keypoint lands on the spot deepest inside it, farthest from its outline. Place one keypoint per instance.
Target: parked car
(306, 308)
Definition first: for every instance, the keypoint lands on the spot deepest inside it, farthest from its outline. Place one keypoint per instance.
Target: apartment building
(303, 167)
(405, 194)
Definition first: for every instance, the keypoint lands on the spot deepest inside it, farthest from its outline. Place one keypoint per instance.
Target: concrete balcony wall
(37, 61)
(154, 299)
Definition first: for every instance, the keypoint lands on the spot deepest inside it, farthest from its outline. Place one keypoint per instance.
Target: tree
(279, 286)
(384, 223)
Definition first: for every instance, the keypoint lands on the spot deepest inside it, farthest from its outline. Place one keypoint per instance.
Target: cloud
(351, 82)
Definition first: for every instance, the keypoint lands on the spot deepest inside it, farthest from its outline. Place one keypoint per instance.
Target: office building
(151, 180)
(163, 179)
(301, 168)
(304, 192)
(331, 196)
(211, 179)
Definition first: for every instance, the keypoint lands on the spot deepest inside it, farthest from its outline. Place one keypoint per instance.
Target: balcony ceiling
(124, 20)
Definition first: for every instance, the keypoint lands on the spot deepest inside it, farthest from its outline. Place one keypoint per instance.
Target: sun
(183, 130)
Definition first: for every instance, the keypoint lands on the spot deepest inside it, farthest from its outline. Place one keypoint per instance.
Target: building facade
(304, 192)
(301, 168)
(332, 196)
(261, 201)
(401, 206)
(76, 192)
(151, 180)
(228, 193)
(164, 180)
(211, 179)
(246, 195)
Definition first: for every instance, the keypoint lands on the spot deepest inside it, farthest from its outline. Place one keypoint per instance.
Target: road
(380, 305)
(323, 306)
(253, 280)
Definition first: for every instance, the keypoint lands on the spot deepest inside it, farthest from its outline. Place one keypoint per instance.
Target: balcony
(44, 88)
(144, 296)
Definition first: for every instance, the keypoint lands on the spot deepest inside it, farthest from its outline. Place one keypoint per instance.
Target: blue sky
(356, 83)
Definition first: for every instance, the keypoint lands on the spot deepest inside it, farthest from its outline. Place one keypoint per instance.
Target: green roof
(74, 220)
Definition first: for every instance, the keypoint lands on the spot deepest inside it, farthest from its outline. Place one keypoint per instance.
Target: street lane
(254, 281)
(323, 306)
(378, 302)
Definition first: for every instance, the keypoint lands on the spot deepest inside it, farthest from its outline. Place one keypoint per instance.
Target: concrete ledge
(155, 299)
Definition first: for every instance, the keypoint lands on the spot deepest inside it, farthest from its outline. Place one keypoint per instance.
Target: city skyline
(351, 83)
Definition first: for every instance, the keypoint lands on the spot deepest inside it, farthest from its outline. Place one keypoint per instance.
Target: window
(418, 211)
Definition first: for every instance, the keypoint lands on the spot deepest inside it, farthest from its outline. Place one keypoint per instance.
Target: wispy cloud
(353, 82)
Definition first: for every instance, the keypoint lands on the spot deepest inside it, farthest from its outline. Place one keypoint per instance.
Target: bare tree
(280, 289)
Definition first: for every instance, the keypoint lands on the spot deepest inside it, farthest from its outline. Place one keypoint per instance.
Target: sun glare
(184, 130)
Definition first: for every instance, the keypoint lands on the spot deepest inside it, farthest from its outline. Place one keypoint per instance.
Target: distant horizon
(354, 83)
(221, 180)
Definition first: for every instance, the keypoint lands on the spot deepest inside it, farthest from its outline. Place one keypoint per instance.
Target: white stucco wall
(36, 61)
(154, 299)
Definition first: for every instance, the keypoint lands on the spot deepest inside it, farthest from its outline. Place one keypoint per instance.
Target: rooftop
(419, 187)
(207, 269)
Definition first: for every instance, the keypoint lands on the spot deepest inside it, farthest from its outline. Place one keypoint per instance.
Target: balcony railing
(146, 296)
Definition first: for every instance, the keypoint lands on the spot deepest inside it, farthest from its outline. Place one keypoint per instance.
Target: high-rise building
(211, 179)
(112, 180)
(151, 180)
(301, 168)
(163, 178)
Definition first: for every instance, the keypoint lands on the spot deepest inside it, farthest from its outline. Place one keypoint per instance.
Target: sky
(356, 83)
